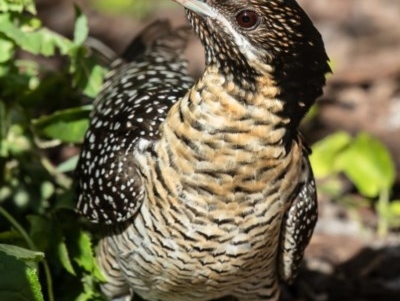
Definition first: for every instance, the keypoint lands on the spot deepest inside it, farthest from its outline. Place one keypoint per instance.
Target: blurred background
(354, 131)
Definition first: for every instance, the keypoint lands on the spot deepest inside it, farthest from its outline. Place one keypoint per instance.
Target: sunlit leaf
(68, 125)
(18, 274)
(394, 208)
(36, 41)
(368, 164)
(325, 152)
(88, 75)
(81, 30)
(17, 6)
(95, 81)
(68, 165)
(17, 142)
(6, 50)
(63, 256)
(86, 258)
(22, 254)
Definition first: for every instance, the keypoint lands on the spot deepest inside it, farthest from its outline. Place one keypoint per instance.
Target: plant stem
(19, 228)
(32, 246)
(383, 211)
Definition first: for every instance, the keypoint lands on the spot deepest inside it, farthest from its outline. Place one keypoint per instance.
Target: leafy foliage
(367, 163)
(41, 111)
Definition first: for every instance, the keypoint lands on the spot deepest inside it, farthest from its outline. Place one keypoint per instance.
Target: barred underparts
(205, 184)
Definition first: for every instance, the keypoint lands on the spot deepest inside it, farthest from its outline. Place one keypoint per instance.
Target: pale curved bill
(199, 7)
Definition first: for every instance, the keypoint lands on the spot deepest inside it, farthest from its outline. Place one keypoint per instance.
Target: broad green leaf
(18, 274)
(21, 253)
(325, 152)
(368, 164)
(81, 30)
(17, 6)
(67, 131)
(68, 125)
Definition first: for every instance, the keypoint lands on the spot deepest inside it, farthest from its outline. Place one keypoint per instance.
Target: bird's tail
(158, 36)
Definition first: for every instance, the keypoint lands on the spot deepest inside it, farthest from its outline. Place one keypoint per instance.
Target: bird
(204, 185)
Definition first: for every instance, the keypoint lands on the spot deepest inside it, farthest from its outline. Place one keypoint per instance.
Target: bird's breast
(217, 184)
(180, 249)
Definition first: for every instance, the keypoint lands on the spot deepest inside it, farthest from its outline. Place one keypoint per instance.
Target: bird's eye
(247, 19)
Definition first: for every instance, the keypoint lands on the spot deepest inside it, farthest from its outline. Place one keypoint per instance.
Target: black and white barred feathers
(139, 90)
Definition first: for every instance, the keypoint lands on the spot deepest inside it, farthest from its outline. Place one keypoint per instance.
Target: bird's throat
(217, 112)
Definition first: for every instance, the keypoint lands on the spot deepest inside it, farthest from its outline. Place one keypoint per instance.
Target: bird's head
(248, 39)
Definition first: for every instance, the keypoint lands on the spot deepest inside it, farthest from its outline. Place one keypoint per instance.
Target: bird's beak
(199, 7)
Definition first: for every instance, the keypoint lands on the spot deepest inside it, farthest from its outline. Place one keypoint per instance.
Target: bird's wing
(298, 224)
(141, 87)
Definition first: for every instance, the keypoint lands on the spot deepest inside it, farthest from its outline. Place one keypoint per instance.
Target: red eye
(247, 19)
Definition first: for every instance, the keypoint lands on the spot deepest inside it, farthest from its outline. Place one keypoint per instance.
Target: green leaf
(66, 130)
(22, 254)
(394, 214)
(394, 208)
(51, 41)
(63, 256)
(39, 231)
(88, 74)
(325, 152)
(85, 257)
(368, 165)
(67, 125)
(6, 50)
(18, 274)
(81, 30)
(17, 142)
(31, 39)
(94, 81)
(90, 290)
(17, 6)
(68, 165)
